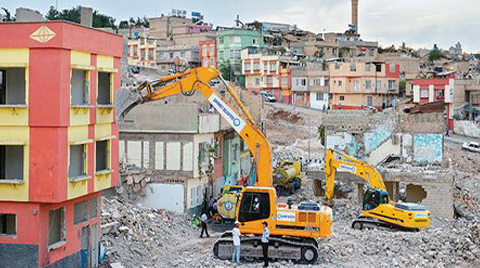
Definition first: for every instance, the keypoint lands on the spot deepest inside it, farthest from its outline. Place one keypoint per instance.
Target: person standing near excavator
(265, 239)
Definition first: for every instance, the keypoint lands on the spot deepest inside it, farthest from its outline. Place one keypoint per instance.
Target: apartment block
(358, 84)
(231, 42)
(436, 90)
(208, 53)
(174, 152)
(142, 52)
(167, 54)
(266, 70)
(310, 85)
(58, 141)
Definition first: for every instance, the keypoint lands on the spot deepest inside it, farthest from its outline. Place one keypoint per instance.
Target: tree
(52, 14)
(123, 24)
(73, 15)
(225, 69)
(8, 15)
(435, 54)
(256, 25)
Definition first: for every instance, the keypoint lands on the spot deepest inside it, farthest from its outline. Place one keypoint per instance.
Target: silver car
(471, 146)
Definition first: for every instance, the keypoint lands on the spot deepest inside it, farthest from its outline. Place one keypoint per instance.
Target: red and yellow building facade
(208, 53)
(47, 215)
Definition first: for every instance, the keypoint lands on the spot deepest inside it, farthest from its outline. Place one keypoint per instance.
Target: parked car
(471, 146)
(370, 109)
(267, 97)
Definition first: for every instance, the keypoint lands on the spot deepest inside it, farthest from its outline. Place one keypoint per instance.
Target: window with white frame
(269, 80)
(392, 68)
(424, 93)
(212, 50)
(356, 85)
(273, 66)
(379, 85)
(439, 93)
(247, 66)
(237, 39)
(204, 50)
(368, 84)
(256, 66)
(391, 85)
(257, 81)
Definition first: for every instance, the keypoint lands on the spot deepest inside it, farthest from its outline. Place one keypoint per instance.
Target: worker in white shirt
(204, 219)
(265, 239)
(236, 243)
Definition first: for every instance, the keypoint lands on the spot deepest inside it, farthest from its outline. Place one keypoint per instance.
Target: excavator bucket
(125, 100)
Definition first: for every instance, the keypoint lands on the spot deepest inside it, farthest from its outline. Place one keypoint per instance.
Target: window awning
(107, 70)
(12, 142)
(82, 67)
(79, 142)
(104, 138)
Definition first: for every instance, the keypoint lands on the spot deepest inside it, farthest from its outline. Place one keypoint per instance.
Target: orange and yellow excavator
(293, 228)
(378, 209)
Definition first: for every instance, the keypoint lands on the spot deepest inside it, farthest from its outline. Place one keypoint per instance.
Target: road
(290, 108)
(458, 139)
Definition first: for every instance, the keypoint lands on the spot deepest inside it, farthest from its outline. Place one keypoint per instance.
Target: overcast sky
(419, 23)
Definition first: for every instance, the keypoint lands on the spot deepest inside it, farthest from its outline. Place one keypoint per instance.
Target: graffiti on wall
(428, 148)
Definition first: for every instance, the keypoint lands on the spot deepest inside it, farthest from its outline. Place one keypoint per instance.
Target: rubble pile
(136, 237)
(136, 182)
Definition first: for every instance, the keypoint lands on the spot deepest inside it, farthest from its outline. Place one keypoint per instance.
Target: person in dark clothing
(265, 239)
(204, 219)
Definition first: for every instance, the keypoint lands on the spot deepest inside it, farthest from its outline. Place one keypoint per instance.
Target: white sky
(419, 23)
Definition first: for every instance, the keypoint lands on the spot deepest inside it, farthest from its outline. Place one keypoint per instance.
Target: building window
(342, 98)
(80, 212)
(160, 55)
(356, 85)
(353, 67)
(8, 224)
(273, 66)
(221, 54)
(284, 80)
(256, 66)
(102, 156)
(392, 68)
(378, 68)
(237, 39)
(104, 88)
(379, 85)
(203, 151)
(77, 166)
(142, 54)
(303, 82)
(319, 96)
(439, 94)
(220, 40)
(205, 62)
(79, 87)
(340, 83)
(182, 54)
(254, 41)
(151, 54)
(12, 86)
(135, 50)
(204, 50)
(424, 93)
(257, 81)
(212, 50)
(368, 84)
(269, 80)
(368, 67)
(171, 55)
(11, 162)
(56, 226)
(391, 85)
(247, 67)
(212, 62)
(92, 208)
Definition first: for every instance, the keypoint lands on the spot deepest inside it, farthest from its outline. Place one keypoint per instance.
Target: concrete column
(27, 15)
(355, 14)
(86, 16)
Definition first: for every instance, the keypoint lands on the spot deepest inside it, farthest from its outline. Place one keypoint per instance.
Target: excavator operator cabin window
(254, 206)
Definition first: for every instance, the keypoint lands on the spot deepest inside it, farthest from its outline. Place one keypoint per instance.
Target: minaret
(355, 14)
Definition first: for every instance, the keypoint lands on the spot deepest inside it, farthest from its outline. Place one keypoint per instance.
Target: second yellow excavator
(378, 209)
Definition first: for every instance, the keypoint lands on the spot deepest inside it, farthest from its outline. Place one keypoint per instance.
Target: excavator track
(295, 249)
(372, 223)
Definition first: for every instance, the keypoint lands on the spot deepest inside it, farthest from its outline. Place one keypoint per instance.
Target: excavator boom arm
(198, 79)
(351, 165)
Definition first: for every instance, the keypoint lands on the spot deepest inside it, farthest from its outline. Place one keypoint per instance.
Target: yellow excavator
(293, 228)
(378, 209)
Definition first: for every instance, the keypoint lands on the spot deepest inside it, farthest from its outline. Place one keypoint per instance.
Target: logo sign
(43, 34)
(228, 205)
(347, 168)
(232, 118)
(421, 215)
(286, 216)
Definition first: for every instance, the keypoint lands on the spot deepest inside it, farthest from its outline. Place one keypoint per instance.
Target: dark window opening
(56, 226)
(11, 162)
(77, 161)
(342, 98)
(101, 156)
(104, 86)
(79, 87)
(80, 212)
(254, 206)
(8, 224)
(12, 86)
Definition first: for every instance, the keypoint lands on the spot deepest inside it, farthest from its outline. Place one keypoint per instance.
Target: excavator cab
(372, 198)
